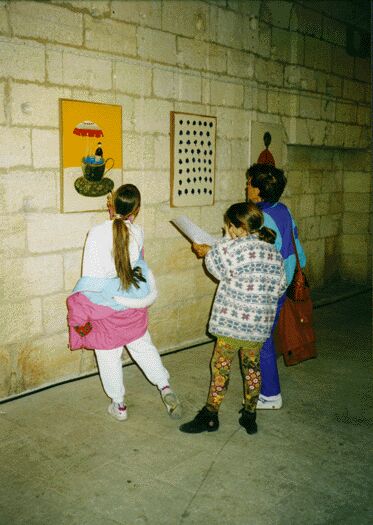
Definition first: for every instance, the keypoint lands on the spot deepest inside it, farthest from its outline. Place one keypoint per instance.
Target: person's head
(243, 218)
(126, 203)
(264, 183)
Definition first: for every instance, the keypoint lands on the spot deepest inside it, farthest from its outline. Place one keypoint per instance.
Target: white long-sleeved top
(98, 260)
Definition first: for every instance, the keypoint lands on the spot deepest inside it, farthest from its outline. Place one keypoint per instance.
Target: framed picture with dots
(193, 140)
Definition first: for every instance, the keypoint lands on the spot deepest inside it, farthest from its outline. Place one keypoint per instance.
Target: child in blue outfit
(252, 278)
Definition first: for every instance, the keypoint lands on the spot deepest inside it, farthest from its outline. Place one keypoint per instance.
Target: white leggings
(144, 353)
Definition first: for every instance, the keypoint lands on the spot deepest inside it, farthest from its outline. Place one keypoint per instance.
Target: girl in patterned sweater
(252, 278)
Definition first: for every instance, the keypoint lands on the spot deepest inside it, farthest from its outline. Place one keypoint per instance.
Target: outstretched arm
(200, 249)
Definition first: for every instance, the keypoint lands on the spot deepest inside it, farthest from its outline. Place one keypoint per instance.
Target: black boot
(248, 421)
(205, 421)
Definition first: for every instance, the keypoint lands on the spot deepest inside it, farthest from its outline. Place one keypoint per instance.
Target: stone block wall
(267, 61)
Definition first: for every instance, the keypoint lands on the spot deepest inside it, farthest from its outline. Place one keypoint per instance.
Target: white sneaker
(172, 403)
(269, 403)
(119, 411)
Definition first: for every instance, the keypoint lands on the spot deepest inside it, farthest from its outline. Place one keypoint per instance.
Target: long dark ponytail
(126, 201)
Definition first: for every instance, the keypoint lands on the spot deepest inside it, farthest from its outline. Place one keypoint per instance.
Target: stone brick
(15, 147)
(47, 360)
(336, 203)
(47, 22)
(331, 182)
(101, 8)
(309, 227)
(227, 28)
(223, 154)
(161, 153)
(31, 276)
(139, 151)
(315, 251)
(240, 64)
(334, 31)
(269, 72)
(20, 321)
(355, 137)
(128, 111)
(147, 13)
(22, 61)
(54, 313)
(282, 103)
(356, 182)
(300, 77)
(342, 63)
(156, 46)
(226, 94)
(193, 319)
(345, 112)
(287, 46)
(330, 225)
(317, 131)
(309, 106)
(306, 206)
(362, 69)
(4, 22)
(354, 90)
(152, 116)
(332, 259)
(201, 55)
(189, 18)
(35, 105)
(72, 264)
(317, 54)
(363, 115)
(12, 234)
(355, 269)
(240, 155)
(163, 228)
(160, 320)
(233, 123)
(40, 225)
(165, 255)
(306, 21)
(256, 98)
(230, 185)
(278, 13)
(5, 367)
(110, 36)
(37, 192)
(188, 88)
(2, 104)
(45, 148)
(355, 223)
(133, 79)
(356, 245)
(327, 109)
(357, 201)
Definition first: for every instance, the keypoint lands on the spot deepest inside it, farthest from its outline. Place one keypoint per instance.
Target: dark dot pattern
(196, 157)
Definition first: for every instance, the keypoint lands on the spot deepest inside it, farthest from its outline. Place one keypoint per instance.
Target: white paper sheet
(193, 232)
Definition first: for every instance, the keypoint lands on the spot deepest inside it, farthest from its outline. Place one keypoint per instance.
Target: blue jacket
(278, 217)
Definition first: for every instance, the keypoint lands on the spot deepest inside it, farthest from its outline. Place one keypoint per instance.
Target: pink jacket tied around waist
(104, 327)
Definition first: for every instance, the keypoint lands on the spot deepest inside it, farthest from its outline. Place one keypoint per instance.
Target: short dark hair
(269, 180)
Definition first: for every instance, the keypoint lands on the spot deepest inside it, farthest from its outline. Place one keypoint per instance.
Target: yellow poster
(91, 154)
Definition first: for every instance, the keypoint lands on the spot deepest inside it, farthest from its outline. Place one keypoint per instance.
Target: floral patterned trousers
(222, 357)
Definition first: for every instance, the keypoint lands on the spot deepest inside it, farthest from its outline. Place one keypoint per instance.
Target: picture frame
(90, 154)
(192, 159)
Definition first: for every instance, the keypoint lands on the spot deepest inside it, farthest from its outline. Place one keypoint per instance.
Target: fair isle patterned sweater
(252, 278)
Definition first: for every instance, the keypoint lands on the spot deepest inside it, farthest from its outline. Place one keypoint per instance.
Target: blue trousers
(268, 360)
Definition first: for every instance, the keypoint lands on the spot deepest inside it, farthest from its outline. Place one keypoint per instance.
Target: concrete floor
(64, 461)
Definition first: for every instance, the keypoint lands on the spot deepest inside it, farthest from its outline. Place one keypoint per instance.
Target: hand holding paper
(193, 232)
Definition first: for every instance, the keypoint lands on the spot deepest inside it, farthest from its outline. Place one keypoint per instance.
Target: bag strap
(294, 245)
